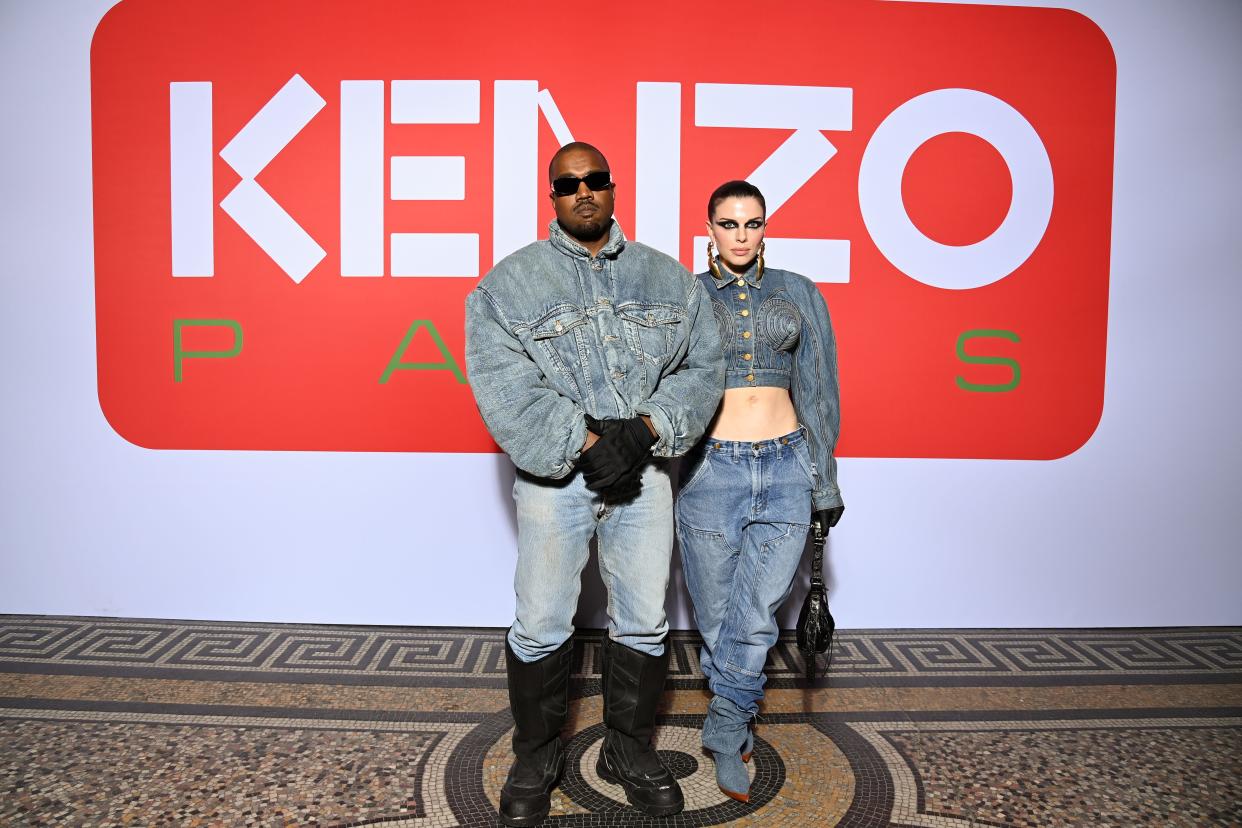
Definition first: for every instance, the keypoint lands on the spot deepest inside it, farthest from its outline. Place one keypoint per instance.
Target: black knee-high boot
(632, 684)
(539, 700)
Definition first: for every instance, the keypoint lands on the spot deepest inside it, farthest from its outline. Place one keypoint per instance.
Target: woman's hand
(827, 518)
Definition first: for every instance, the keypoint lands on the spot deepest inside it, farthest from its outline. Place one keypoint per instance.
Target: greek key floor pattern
(124, 722)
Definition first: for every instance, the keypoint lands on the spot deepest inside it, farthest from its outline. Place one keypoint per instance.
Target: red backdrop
(308, 374)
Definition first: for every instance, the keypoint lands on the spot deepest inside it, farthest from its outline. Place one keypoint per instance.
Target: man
(590, 357)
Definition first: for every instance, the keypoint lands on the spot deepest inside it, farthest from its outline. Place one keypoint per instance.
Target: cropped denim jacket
(553, 334)
(777, 332)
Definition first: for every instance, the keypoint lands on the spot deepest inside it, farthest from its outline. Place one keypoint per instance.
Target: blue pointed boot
(726, 733)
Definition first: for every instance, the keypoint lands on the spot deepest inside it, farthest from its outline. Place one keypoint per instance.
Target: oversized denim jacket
(553, 333)
(777, 332)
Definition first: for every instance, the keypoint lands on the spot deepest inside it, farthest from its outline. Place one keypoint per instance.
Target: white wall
(1136, 528)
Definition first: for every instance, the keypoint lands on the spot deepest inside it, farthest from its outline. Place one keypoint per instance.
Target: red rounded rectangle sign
(292, 200)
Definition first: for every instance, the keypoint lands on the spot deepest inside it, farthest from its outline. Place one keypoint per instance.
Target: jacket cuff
(573, 446)
(828, 497)
(667, 445)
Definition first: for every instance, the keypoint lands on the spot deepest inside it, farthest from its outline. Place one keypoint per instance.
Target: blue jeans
(742, 519)
(555, 522)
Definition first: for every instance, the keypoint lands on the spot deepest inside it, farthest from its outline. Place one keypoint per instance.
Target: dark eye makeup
(730, 224)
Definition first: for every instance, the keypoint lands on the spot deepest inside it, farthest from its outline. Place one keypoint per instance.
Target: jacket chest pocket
(651, 330)
(559, 338)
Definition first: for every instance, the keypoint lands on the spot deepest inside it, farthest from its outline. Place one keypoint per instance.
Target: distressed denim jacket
(777, 332)
(553, 333)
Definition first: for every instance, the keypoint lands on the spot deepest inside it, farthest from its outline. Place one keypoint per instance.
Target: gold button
(744, 312)
(718, 445)
(746, 357)
(745, 334)
(741, 281)
(750, 377)
(741, 296)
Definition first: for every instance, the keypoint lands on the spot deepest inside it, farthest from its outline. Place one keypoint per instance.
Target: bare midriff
(751, 414)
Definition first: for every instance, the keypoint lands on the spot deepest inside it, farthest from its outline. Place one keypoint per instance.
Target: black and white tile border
(431, 656)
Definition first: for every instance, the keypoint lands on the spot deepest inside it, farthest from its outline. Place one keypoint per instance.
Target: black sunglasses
(567, 185)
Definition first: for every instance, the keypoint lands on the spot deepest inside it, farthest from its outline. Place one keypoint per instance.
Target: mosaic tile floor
(141, 723)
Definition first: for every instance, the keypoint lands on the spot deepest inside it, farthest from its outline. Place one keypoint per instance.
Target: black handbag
(815, 624)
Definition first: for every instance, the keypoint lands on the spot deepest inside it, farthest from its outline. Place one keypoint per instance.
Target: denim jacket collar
(566, 243)
(728, 277)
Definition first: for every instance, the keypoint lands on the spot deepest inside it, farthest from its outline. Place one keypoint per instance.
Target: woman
(751, 487)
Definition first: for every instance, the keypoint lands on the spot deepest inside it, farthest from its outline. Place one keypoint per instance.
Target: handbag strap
(817, 558)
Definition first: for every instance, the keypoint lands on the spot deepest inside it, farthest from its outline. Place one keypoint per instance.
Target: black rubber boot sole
(606, 774)
(522, 822)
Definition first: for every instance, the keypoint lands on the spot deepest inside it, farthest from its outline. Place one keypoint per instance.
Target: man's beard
(589, 230)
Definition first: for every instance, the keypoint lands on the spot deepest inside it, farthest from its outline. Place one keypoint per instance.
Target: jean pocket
(802, 452)
(697, 467)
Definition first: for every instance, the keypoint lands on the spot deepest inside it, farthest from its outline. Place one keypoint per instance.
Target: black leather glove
(624, 490)
(828, 517)
(586, 460)
(622, 447)
(629, 485)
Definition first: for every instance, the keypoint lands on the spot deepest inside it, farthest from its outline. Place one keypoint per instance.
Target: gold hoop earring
(759, 269)
(711, 259)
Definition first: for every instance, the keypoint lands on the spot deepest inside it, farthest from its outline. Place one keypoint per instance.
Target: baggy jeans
(555, 522)
(742, 520)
